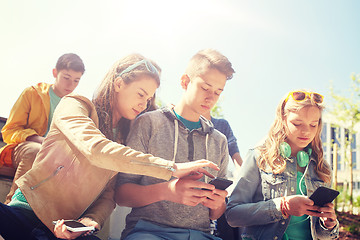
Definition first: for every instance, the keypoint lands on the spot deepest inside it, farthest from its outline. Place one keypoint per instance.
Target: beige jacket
(71, 173)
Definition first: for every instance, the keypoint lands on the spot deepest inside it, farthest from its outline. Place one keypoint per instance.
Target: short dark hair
(208, 59)
(70, 61)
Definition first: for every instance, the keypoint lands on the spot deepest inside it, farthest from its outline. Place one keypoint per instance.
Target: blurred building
(333, 133)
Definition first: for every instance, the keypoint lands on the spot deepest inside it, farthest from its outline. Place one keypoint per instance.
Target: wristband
(171, 168)
(283, 208)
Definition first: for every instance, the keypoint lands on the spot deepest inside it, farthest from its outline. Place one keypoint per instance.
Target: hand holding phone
(221, 183)
(323, 195)
(76, 226)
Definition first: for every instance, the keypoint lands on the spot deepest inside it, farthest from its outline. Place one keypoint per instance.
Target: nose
(209, 97)
(72, 84)
(305, 130)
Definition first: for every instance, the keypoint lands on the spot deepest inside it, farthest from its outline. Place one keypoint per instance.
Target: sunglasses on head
(149, 66)
(300, 96)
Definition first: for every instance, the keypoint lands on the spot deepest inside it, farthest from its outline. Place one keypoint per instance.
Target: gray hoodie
(163, 135)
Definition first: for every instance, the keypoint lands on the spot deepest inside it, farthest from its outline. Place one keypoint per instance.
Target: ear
(118, 84)
(55, 72)
(185, 81)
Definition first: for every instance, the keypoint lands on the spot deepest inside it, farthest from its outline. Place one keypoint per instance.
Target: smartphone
(221, 183)
(76, 226)
(323, 195)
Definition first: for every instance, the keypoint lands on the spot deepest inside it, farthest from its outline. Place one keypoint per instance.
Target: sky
(274, 46)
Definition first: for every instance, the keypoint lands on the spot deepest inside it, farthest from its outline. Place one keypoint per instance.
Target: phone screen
(74, 224)
(323, 195)
(221, 183)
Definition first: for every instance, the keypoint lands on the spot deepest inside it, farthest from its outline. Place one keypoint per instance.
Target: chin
(130, 117)
(134, 116)
(202, 111)
(303, 145)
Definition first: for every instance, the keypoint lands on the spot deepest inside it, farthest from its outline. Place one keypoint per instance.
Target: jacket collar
(42, 90)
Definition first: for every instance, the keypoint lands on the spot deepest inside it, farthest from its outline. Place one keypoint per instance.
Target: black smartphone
(323, 195)
(76, 226)
(221, 183)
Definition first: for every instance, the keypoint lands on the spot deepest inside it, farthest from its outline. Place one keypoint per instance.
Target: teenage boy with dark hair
(30, 118)
(180, 208)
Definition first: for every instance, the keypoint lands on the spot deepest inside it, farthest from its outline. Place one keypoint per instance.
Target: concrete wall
(5, 185)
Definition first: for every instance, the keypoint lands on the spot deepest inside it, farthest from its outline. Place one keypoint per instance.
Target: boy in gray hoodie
(180, 208)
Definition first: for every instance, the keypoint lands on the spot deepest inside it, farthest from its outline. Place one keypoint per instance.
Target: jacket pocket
(55, 172)
(273, 186)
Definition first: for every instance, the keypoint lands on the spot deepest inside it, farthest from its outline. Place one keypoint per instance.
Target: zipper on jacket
(170, 168)
(46, 179)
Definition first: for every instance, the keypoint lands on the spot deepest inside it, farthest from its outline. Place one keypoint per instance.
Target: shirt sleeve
(223, 126)
(246, 206)
(72, 119)
(102, 208)
(16, 129)
(232, 142)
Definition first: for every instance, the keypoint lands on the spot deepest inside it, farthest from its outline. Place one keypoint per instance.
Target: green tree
(216, 111)
(345, 109)
(159, 103)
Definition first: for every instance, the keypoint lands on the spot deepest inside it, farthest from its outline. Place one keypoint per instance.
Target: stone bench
(5, 172)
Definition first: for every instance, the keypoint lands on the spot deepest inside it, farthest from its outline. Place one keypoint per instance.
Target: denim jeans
(18, 223)
(23, 158)
(150, 231)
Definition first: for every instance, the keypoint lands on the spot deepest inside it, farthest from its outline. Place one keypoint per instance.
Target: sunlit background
(275, 46)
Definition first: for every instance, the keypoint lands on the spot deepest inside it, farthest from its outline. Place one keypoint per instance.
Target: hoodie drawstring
(206, 154)
(176, 138)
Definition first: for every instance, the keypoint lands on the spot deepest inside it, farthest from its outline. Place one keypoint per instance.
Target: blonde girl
(271, 200)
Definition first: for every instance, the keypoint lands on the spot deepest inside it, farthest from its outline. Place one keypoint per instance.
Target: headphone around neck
(302, 157)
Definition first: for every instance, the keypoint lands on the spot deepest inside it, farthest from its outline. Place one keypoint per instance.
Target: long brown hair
(270, 159)
(105, 93)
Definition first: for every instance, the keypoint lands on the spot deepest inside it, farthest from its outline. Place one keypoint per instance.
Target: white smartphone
(76, 226)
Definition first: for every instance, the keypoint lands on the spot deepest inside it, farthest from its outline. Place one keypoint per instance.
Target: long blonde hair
(270, 159)
(104, 95)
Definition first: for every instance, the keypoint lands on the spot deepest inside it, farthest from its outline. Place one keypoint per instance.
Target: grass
(349, 225)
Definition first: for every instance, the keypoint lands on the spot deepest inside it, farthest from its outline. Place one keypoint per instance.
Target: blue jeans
(18, 223)
(150, 231)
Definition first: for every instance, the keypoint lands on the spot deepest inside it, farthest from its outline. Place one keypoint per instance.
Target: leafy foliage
(345, 109)
(216, 111)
